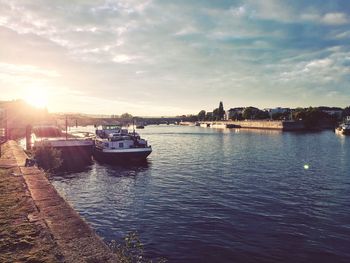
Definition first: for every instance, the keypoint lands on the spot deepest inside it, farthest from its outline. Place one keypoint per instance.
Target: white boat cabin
(107, 130)
(114, 137)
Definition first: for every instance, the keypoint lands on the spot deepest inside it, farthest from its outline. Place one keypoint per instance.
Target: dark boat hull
(121, 157)
(76, 154)
(75, 157)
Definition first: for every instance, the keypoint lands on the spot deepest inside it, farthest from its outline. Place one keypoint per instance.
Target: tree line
(311, 116)
(216, 115)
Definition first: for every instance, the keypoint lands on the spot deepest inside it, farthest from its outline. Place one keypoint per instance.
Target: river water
(211, 195)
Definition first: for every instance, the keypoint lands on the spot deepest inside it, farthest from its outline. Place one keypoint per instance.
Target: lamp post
(3, 123)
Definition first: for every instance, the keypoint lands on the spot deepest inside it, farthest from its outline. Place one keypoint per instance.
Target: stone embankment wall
(252, 124)
(277, 125)
(41, 225)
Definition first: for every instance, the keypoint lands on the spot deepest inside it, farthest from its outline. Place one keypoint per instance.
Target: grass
(20, 239)
(132, 250)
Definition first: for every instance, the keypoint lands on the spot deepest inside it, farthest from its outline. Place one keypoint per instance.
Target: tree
(298, 114)
(251, 113)
(281, 115)
(221, 111)
(201, 115)
(216, 116)
(346, 112)
(192, 118)
(278, 116)
(312, 117)
(248, 113)
(48, 158)
(209, 116)
(126, 116)
(236, 115)
(262, 115)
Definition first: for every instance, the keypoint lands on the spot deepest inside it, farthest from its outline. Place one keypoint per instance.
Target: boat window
(121, 145)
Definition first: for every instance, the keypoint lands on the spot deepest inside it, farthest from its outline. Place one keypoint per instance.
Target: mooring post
(66, 127)
(6, 126)
(28, 137)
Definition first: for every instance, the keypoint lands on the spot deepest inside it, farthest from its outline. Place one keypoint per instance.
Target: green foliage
(132, 250)
(312, 117)
(221, 111)
(201, 115)
(261, 115)
(346, 112)
(216, 116)
(192, 118)
(126, 116)
(281, 116)
(209, 116)
(236, 116)
(47, 157)
(251, 113)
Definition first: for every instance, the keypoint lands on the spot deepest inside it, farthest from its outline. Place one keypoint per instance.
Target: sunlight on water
(306, 166)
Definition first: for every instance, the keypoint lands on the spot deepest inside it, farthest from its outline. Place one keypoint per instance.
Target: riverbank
(36, 223)
(251, 124)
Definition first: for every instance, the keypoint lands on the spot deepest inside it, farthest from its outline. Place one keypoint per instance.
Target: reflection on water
(258, 131)
(127, 169)
(207, 195)
(117, 169)
(72, 170)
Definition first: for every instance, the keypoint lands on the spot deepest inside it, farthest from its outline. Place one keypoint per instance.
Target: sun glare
(36, 97)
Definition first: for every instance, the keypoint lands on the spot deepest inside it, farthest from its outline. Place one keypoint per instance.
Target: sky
(164, 58)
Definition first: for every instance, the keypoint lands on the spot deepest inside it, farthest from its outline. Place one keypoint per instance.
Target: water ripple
(209, 195)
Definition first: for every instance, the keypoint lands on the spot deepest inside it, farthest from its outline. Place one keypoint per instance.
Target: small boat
(232, 126)
(343, 128)
(114, 144)
(140, 127)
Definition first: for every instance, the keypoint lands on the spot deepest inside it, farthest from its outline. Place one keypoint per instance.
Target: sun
(36, 97)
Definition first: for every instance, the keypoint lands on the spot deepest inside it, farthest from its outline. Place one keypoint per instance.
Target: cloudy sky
(162, 57)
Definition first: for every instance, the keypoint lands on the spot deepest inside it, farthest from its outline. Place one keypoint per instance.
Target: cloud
(15, 69)
(335, 19)
(320, 63)
(170, 51)
(123, 59)
(343, 35)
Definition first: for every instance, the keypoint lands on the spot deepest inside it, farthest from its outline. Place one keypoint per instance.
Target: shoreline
(36, 222)
(250, 124)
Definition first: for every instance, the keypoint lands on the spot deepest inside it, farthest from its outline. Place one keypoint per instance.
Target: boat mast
(66, 127)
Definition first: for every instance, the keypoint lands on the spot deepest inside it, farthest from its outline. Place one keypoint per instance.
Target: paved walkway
(56, 232)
